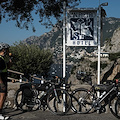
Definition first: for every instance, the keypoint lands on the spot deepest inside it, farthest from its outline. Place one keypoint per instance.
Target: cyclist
(4, 52)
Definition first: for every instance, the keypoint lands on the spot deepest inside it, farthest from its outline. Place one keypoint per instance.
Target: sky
(10, 34)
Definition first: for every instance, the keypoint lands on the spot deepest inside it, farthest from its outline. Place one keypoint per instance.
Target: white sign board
(82, 27)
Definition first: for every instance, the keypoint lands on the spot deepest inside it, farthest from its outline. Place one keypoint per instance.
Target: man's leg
(3, 93)
(2, 100)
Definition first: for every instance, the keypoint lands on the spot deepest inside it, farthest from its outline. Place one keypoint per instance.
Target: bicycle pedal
(101, 110)
(98, 111)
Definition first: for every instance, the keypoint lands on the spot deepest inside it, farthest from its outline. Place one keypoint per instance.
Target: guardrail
(21, 76)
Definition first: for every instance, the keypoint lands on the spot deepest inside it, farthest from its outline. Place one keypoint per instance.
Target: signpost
(83, 29)
(99, 39)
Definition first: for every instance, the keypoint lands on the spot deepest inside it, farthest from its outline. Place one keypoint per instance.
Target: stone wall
(12, 88)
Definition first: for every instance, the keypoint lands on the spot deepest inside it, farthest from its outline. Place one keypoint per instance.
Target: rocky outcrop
(52, 38)
(113, 45)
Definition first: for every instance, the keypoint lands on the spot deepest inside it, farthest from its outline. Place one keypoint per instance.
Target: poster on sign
(82, 27)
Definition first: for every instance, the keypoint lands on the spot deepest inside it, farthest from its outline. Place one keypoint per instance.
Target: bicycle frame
(52, 88)
(44, 95)
(103, 95)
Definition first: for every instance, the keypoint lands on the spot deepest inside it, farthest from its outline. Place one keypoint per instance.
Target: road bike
(33, 96)
(88, 99)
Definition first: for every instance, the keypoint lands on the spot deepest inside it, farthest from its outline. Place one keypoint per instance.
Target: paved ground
(47, 115)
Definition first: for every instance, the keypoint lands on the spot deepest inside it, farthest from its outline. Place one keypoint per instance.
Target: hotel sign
(82, 27)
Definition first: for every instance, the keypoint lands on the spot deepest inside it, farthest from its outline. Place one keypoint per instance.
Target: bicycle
(87, 100)
(31, 96)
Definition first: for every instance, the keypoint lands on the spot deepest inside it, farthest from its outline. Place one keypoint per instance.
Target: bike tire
(117, 108)
(56, 103)
(112, 103)
(21, 103)
(81, 101)
(18, 98)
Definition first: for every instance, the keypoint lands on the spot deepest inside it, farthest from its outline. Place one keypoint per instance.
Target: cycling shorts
(3, 88)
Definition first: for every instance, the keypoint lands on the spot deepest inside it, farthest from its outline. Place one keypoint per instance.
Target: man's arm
(1, 79)
(9, 64)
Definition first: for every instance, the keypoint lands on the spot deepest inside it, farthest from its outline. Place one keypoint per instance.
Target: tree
(30, 59)
(114, 56)
(22, 11)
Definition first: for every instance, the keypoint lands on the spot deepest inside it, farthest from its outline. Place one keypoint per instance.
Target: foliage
(30, 59)
(73, 69)
(94, 65)
(114, 56)
(103, 65)
(74, 60)
(23, 11)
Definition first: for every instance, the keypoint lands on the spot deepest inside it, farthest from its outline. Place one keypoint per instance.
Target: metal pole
(64, 56)
(99, 38)
(64, 38)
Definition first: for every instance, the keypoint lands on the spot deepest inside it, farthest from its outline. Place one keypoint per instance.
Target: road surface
(47, 115)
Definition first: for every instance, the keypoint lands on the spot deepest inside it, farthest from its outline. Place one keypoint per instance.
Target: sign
(82, 27)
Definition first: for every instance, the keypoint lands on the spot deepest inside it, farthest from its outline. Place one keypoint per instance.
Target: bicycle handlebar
(55, 81)
(115, 81)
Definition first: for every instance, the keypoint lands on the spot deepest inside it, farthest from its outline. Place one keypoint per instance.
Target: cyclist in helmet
(4, 51)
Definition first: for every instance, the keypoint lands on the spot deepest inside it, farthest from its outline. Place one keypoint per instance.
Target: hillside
(113, 45)
(50, 39)
(47, 40)
(53, 41)
(109, 26)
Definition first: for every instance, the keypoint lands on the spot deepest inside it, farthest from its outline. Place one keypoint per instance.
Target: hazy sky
(9, 33)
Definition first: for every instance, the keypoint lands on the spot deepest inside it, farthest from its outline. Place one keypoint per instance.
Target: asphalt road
(47, 115)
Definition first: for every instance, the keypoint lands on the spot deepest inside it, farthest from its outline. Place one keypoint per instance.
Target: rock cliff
(113, 45)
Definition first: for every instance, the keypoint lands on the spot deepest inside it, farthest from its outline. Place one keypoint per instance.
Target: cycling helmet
(1, 47)
(4, 46)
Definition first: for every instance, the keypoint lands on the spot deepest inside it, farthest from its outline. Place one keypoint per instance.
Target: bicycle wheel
(117, 107)
(23, 103)
(81, 101)
(112, 102)
(18, 98)
(59, 101)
